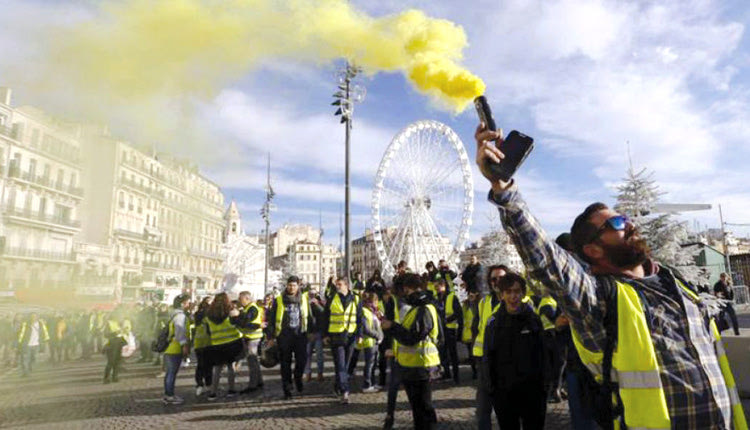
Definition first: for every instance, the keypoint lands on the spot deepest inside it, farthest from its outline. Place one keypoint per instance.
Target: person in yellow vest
(470, 308)
(636, 325)
(487, 306)
(395, 310)
(451, 316)
(430, 275)
(226, 342)
(113, 346)
(418, 337)
(32, 336)
(513, 360)
(178, 348)
(252, 322)
(58, 340)
(447, 274)
(201, 341)
(546, 308)
(343, 314)
(315, 334)
(288, 323)
(370, 335)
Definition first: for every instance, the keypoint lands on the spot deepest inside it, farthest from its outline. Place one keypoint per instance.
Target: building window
(121, 200)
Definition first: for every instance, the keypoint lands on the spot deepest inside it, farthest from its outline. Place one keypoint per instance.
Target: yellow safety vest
(43, 333)
(636, 368)
(398, 317)
(257, 333)
(485, 311)
(546, 323)
(201, 339)
(425, 353)
(223, 333)
(449, 310)
(304, 308)
(343, 320)
(468, 318)
(174, 347)
(366, 342)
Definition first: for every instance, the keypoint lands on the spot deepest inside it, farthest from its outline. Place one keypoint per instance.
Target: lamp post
(265, 213)
(348, 93)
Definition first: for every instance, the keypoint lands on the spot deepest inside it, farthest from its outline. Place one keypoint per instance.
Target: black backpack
(162, 339)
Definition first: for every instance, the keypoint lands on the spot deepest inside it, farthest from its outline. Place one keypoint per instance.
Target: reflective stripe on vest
(304, 308)
(343, 320)
(546, 301)
(258, 320)
(738, 414)
(223, 333)
(425, 353)
(174, 347)
(366, 342)
(449, 310)
(636, 369)
(468, 318)
(485, 311)
(201, 338)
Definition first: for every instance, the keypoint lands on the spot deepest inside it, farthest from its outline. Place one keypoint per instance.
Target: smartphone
(516, 146)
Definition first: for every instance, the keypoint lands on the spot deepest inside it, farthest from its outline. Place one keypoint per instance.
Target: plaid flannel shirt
(694, 387)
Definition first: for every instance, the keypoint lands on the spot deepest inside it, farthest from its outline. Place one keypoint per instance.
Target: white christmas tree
(637, 196)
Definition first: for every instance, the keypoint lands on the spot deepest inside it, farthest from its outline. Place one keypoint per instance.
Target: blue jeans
(581, 416)
(371, 355)
(341, 355)
(316, 343)
(173, 362)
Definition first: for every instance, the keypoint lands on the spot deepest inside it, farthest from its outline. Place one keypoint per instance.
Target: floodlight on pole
(348, 93)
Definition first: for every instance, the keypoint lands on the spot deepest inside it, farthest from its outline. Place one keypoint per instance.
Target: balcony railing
(41, 217)
(38, 254)
(161, 265)
(15, 172)
(133, 184)
(130, 234)
(7, 131)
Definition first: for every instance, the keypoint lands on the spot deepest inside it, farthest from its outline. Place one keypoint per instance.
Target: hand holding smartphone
(516, 146)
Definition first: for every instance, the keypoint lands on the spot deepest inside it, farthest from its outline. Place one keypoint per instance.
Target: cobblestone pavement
(71, 395)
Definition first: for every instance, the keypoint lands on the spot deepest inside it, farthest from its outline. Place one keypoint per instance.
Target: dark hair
(582, 232)
(401, 264)
(179, 300)
(291, 279)
(511, 278)
(411, 280)
(219, 309)
(565, 241)
(495, 267)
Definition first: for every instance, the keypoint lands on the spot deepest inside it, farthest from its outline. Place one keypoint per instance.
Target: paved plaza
(71, 395)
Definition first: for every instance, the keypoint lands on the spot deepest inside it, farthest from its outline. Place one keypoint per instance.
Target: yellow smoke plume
(135, 50)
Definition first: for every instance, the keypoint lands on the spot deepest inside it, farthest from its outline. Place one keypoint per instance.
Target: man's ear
(593, 251)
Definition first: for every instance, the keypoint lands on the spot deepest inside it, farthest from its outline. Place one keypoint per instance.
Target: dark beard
(632, 253)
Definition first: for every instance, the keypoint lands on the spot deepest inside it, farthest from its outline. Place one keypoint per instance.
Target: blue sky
(581, 77)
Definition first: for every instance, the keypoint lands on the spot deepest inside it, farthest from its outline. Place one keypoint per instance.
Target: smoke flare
(134, 50)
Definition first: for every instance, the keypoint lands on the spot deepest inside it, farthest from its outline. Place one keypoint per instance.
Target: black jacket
(513, 351)
(421, 328)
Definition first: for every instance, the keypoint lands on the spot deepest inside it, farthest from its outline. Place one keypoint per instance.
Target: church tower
(233, 222)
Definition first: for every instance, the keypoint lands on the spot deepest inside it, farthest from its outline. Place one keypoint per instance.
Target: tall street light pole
(265, 212)
(347, 94)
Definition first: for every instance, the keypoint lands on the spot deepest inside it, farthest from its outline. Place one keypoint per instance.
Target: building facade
(40, 198)
(313, 263)
(288, 234)
(162, 219)
(365, 258)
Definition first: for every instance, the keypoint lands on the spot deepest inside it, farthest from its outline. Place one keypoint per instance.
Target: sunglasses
(616, 223)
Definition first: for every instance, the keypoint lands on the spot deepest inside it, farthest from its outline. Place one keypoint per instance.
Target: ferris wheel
(423, 197)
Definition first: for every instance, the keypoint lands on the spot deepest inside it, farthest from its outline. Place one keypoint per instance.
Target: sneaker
(308, 378)
(287, 395)
(173, 400)
(199, 390)
(298, 384)
(320, 377)
(345, 398)
(106, 380)
(211, 397)
(372, 389)
(231, 393)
